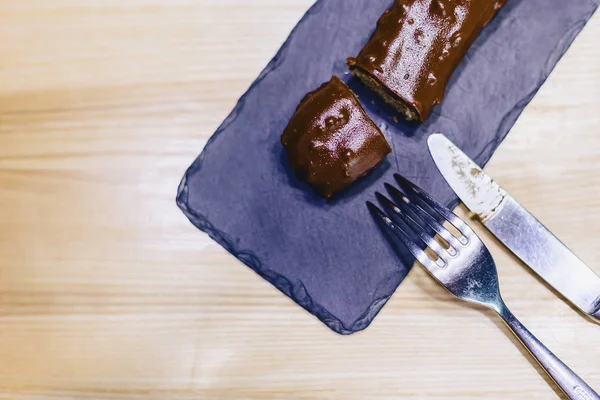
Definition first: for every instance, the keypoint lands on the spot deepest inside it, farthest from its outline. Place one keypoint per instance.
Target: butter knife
(516, 228)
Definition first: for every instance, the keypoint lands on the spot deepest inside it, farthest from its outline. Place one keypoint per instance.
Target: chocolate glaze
(418, 44)
(331, 141)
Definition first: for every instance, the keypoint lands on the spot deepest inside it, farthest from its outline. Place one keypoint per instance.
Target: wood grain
(108, 292)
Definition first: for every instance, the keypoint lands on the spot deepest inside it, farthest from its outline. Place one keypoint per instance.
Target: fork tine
(421, 211)
(402, 211)
(420, 196)
(400, 234)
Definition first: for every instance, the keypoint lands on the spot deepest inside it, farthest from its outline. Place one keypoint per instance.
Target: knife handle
(568, 381)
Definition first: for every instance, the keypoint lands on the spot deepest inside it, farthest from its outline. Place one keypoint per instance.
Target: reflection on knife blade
(484, 196)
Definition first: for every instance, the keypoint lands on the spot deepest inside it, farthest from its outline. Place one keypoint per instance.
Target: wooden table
(108, 292)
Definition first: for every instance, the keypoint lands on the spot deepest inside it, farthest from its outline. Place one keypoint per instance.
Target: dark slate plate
(329, 256)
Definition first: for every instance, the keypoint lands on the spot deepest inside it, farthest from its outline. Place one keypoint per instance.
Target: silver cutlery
(461, 263)
(514, 226)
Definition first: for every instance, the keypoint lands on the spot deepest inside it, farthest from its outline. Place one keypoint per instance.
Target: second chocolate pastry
(416, 47)
(331, 141)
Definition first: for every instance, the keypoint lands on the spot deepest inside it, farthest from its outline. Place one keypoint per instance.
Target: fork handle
(568, 381)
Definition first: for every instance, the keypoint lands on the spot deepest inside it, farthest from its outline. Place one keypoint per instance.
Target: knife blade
(517, 228)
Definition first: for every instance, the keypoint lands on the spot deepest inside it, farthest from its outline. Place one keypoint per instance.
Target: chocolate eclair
(330, 140)
(417, 45)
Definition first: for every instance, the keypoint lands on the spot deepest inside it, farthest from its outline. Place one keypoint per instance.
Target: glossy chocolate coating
(331, 141)
(418, 44)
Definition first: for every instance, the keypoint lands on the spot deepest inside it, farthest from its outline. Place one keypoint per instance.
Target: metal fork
(463, 265)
